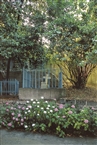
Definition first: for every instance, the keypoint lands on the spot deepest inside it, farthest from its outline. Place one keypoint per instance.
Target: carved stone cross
(45, 84)
(46, 78)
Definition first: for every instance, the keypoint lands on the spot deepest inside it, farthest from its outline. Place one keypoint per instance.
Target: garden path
(24, 138)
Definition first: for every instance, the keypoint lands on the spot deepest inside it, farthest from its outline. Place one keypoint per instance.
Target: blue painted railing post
(60, 80)
(15, 87)
(0, 88)
(23, 81)
(29, 80)
(35, 80)
(25, 78)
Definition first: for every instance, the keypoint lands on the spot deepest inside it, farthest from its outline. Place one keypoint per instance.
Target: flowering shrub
(50, 117)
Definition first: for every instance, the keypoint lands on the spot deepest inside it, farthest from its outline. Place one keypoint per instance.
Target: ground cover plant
(49, 117)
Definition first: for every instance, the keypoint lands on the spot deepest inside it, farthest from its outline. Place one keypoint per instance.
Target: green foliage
(72, 31)
(49, 117)
(21, 28)
(69, 27)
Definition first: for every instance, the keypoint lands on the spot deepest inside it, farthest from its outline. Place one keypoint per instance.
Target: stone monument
(45, 85)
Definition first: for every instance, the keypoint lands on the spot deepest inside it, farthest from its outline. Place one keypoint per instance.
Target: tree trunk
(8, 69)
(80, 83)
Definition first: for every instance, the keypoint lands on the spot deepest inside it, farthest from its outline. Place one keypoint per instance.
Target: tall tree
(21, 27)
(72, 31)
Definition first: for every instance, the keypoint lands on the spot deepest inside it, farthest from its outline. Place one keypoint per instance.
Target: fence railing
(9, 87)
(42, 78)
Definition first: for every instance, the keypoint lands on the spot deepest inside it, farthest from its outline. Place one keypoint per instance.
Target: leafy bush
(49, 117)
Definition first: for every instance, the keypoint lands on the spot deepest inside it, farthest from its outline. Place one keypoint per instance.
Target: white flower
(29, 111)
(37, 114)
(27, 101)
(38, 102)
(38, 106)
(26, 126)
(42, 108)
(42, 97)
(33, 124)
(51, 110)
(47, 108)
(25, 112)
(12, 108)
(53, 106)
(46, 101)
(31, 99)
(44, 112)
(34, 102)
(26, 108)
(48, 105)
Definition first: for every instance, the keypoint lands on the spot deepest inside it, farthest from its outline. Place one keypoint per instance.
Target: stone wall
(78, 102)
(29, 93)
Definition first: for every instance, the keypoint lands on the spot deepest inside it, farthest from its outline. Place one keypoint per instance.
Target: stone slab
(29, 93)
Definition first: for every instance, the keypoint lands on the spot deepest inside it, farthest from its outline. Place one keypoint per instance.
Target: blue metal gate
(37, 77)
(26, 83)
(9, 87)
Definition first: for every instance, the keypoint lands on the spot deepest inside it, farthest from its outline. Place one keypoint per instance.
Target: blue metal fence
(39, 78)
(10, 87)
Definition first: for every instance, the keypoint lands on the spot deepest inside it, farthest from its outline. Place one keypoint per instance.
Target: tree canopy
(21, 29)
(72, 32)
(68, 26)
